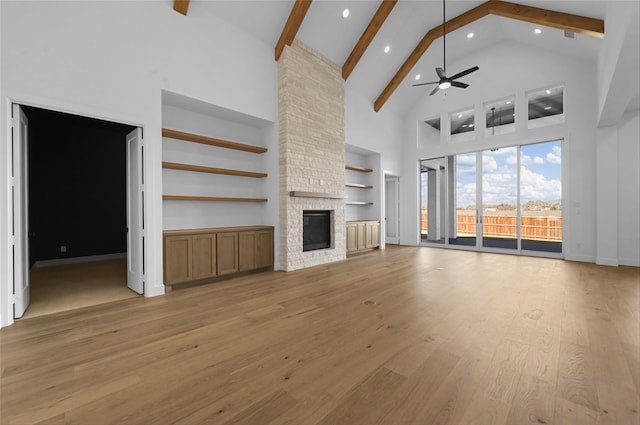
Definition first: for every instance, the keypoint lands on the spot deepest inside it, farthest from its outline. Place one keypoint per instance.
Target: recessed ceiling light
(417, 77)
(513, 115)
(546, 108)
(459, 115)
(537, 31)
(471, 125)
(387, 48)
(548, 91)
(508, 102)
(345, 13)
(464, 125)
(470, 35)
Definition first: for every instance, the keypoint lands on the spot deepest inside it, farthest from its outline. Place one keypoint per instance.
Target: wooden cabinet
(204, 256)
(200, 254)
(178, 259)
(352, 237)
(372, 234)
(227, 253)
(362, 235)
(255, 250)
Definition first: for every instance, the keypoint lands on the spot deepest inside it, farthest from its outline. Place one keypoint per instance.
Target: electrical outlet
(63, 248)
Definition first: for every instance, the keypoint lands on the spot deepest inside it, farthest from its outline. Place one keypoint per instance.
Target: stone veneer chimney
(311, 123)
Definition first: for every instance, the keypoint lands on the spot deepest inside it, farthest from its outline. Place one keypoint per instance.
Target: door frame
(7, 294)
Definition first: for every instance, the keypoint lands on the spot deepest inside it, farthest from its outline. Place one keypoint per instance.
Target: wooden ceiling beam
(181, 6)
(433, 34)
(564, 21)
(367, 36)
(298, 12)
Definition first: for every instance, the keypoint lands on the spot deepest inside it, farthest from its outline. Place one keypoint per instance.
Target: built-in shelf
(358, 168)
(211, 141)
(358, 185)
(299, 194)
(358, 203)
(213, 170)
(210, 198)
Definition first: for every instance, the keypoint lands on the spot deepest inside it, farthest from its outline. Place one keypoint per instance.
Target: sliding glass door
(464, 215)
(541, 197)
(498, 216)
(507, 199)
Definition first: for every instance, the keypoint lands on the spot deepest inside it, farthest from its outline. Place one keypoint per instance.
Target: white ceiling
(325, 30)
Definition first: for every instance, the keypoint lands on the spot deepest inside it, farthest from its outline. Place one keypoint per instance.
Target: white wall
(111, 60)
(509, 69)
(380, 133)
(628, 189)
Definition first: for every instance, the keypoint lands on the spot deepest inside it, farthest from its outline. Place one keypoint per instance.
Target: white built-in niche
(362, 184)
(217, 166)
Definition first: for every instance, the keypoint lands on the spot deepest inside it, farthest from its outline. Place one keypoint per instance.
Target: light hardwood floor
(70, 286)
(454, 337)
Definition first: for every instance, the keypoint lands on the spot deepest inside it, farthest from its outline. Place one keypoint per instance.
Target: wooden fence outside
(543, 228)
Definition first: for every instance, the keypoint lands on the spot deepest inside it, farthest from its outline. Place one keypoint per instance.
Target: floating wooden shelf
(299, 194)
(358, 168)
(361, 186)
(203, 169)
(210, 198)
(190, 137)
(358, 203)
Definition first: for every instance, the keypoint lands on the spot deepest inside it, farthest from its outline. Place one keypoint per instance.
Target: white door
(19, 187)
(392, 209)
(135, 211)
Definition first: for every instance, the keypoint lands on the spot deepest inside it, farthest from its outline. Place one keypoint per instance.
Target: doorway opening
(75, 210)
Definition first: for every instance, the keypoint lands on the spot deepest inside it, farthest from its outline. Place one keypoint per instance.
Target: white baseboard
(74, 260)
(607, 261)
(635, 262)
(581, 258)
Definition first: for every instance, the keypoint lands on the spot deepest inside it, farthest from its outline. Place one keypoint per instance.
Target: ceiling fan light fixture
(444, 85)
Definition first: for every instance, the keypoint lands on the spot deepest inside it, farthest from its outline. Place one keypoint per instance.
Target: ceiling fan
(445, 82)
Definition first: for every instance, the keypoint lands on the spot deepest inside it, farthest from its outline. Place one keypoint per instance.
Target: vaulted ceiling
(412, 29)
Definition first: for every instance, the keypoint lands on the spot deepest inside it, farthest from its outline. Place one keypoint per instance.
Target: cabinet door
(264, 251)
(352, 237)
(178, 254)
(247, 242)
(375, 235)
(227, 252)
(368, 236)
(362, 230)
(204, 256)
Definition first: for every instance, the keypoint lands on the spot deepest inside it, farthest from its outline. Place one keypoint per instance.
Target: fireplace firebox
(316, 229)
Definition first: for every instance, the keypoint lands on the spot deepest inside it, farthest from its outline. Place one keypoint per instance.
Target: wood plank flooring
(453, 337)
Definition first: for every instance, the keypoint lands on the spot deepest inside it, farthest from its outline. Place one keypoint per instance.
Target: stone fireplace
(311, 141)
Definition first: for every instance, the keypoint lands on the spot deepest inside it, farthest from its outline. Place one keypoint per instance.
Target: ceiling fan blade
(424, 84)
(459, 84)
(463, 73)
(440, 73)
(435, 90)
